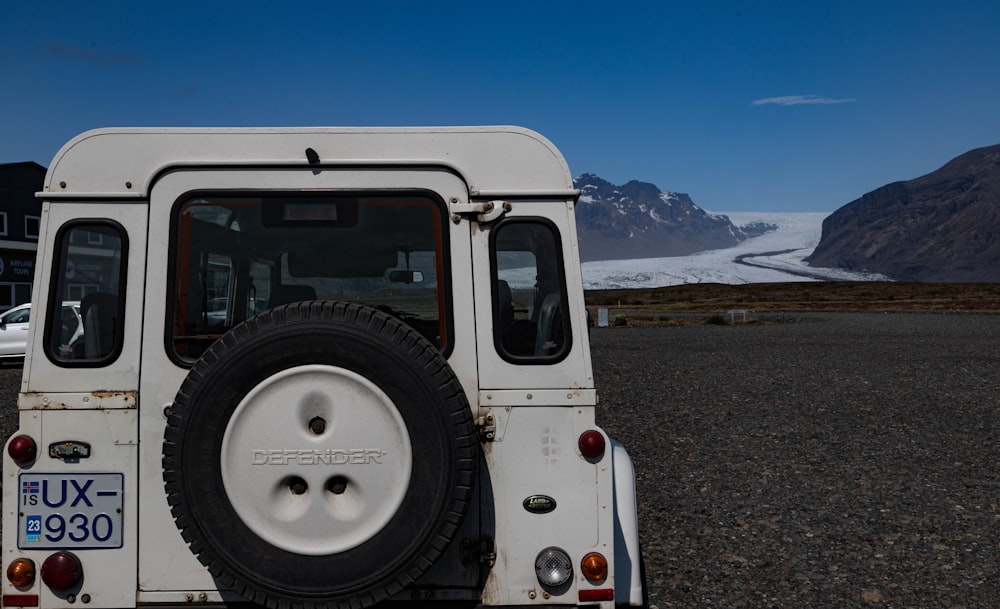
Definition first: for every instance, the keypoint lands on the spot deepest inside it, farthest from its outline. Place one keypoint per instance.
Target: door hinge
(487, 427)
(484, 212)
(483, 551)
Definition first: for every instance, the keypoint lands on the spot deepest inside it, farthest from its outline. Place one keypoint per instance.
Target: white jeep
(319, 368)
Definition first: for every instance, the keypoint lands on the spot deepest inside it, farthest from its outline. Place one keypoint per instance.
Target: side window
(19, 316)
(530, 317)
(85, 319)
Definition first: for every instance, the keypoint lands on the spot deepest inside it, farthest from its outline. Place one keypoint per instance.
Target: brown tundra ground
(887, 297)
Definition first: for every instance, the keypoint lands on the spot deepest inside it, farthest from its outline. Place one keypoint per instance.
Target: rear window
(236, 256)
(85, 320)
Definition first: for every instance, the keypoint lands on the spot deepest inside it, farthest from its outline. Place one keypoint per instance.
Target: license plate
(69, 511)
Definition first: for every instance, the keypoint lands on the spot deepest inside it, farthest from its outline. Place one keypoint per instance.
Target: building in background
(20, 217)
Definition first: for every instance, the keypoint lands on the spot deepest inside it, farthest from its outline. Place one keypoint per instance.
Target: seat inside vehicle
(289, 293)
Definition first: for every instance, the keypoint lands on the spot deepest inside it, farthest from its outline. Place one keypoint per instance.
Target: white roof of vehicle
(493, 161)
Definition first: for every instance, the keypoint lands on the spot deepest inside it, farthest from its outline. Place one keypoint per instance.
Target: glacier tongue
(776, 256)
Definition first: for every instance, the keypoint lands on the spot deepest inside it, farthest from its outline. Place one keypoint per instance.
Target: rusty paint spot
(51, 406)
(104, 393)
(98, 400)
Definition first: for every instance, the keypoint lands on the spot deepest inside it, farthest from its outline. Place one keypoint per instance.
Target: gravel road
(820, 460)
(833, 460)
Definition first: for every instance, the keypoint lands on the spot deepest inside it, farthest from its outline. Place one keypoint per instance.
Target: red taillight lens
(21, 572)
(20, 600)
(22, 449)
(594, 596)
(591, 444)
(61, 571)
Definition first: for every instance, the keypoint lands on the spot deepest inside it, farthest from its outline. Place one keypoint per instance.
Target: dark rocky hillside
(637, 220)
(944, 226)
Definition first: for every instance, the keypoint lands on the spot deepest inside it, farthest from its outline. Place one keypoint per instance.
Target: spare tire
(319, 455)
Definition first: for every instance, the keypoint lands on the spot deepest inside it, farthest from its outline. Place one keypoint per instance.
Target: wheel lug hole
(297, 485)
(317, 425)
(337, 485)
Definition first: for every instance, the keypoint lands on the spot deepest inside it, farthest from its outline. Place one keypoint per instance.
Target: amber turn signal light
(594, 567)
(21, 572)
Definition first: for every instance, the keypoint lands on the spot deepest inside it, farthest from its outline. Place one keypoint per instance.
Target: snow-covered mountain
(774, 256)
(638, 220)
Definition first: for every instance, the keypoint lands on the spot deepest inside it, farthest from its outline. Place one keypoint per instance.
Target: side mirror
(406, 277)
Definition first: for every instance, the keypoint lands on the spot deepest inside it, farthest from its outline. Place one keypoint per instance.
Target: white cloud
(795, 100)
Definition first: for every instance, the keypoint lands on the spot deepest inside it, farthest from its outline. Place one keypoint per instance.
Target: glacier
(773, 257)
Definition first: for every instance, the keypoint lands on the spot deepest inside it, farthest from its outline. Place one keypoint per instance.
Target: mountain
(944, 226)
(637, 220)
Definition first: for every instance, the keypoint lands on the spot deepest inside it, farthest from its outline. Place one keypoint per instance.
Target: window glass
(235, 257)
(19, 316)
(22, 291)
(85, 321)
(31, 227)
(531, 323)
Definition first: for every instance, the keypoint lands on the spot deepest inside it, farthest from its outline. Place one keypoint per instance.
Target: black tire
(332, 336)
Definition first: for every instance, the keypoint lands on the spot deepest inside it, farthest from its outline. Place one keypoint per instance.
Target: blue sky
(757, 105)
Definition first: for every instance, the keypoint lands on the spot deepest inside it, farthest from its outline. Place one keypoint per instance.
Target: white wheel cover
(269, 444)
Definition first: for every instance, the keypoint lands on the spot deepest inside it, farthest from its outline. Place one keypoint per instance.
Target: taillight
(22, 449)
(21, 572)
(20, 600)
(591, 444)
(596, 596)
(61, 571)
(594, 567)
(553, 567)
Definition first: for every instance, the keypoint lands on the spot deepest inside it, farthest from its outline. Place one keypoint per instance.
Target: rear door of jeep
(80, 395)
(231, 243)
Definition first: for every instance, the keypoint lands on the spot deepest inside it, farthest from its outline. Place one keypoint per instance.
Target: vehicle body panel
(531, 407)
(14, 331)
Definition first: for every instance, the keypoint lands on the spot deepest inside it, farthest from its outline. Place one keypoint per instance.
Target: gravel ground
(825, 460)
(831, 460)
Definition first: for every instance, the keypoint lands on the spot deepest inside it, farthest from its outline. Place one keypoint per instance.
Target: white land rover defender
(320, 368)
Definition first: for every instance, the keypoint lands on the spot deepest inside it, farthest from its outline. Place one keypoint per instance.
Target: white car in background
(14, 329)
